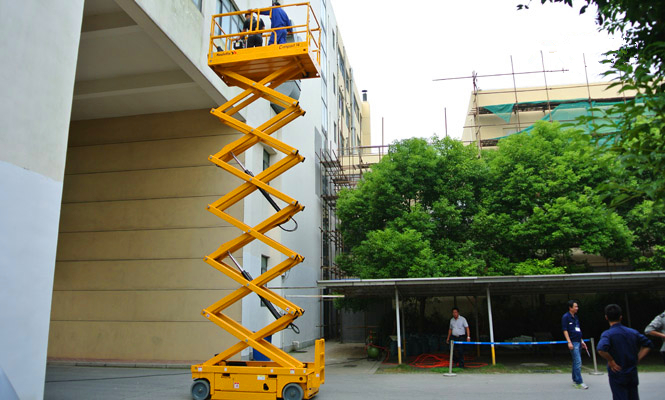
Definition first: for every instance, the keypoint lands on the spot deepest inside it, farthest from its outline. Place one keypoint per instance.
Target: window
(264, 268)
(356, 109)
(335, 133)
(264, 264)
(324, 116)
(324, 55)
(324, 15)
(230, 25)
(324, 42)
(197, 3)
(341, 65)
(266, 159)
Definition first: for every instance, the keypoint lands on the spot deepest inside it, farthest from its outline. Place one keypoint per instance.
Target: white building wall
(34, 110)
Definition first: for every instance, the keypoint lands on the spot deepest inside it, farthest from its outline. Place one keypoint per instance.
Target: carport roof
(477, 285)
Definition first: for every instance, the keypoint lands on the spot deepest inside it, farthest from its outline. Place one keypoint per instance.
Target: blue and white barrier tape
(515, 343)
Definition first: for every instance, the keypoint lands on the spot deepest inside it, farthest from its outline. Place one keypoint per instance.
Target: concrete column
(39, 43)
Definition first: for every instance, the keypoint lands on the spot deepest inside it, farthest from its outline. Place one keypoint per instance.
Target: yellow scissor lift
(259, 71)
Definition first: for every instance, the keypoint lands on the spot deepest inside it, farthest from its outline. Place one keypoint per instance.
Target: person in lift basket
(278, 19)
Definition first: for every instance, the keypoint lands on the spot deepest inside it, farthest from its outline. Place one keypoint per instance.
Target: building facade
(105, 182)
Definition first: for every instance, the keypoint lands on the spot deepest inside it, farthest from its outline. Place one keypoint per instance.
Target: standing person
(656, 328)
(458, 326)
(623, 348)
(251, 24)
(570, 325)
(278, 19)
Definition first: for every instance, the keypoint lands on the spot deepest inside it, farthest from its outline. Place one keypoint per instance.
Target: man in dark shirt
(623, 348)
(251, 24)
(570, 325)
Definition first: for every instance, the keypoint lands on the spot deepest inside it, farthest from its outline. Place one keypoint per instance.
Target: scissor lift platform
(258, 71)
(256, 63)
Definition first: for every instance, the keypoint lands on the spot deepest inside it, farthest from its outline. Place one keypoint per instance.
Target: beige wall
(130, 281)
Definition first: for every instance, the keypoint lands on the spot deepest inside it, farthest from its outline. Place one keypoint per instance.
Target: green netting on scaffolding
(567, 112)
(503, 111)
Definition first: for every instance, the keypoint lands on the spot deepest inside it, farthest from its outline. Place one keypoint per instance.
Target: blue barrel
(257, 355)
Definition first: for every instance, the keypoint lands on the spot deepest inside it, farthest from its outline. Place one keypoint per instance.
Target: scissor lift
(259, 71)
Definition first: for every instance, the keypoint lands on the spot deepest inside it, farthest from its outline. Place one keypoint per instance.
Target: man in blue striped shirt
(570, 325)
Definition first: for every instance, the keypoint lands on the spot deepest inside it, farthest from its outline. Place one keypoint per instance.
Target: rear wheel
(293, 391)
(200, 389)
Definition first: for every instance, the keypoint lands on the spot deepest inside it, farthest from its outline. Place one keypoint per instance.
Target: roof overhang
(127, 65)
(498, 285)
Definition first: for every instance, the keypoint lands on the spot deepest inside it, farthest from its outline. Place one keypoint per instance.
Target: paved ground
(348, 377)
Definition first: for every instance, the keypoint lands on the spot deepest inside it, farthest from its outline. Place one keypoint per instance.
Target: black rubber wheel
(293, 391)
(200, 389)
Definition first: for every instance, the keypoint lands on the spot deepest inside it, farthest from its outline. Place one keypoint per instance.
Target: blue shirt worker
(457, 329)
(657, 329)
(278, 19)
(570, 325)
(623, 348)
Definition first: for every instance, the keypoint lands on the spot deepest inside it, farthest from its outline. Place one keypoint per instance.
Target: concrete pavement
(349, 376)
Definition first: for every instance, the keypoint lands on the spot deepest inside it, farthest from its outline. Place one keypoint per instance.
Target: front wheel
(200, 389)
(293, 391)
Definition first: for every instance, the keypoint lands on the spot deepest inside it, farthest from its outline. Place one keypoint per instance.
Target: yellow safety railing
(220, 40)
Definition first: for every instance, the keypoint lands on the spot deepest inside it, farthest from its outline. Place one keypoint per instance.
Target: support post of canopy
(399, 334)
(476, 310)
(489, 312)
(625, 297)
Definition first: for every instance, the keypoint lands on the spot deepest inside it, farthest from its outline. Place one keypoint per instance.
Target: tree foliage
(412, 207)
(637, 136)
(433, 208)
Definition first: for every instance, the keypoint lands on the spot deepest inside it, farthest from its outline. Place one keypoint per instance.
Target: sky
(397, 49)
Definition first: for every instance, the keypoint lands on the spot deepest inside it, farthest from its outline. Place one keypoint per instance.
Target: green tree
(541, 203)
(414, 207)
(388, 253)
(433, 208)
(414, 180)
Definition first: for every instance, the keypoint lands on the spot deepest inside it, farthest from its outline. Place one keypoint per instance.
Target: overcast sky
(398, 48)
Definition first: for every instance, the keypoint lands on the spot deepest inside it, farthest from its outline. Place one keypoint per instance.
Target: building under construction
(499, 113)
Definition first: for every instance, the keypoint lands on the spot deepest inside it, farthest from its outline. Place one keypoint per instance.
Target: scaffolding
(495, 114)
(338, 173)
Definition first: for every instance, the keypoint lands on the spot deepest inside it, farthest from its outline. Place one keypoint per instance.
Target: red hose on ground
(438, 360)
(442, 360)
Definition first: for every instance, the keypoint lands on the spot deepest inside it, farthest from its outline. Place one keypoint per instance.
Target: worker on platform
(278, 19)
(251, 24)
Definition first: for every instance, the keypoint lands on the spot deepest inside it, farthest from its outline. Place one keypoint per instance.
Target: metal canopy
(513, 285)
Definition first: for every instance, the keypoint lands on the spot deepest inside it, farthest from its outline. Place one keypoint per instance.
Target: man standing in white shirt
(458, 328)
(657, 329)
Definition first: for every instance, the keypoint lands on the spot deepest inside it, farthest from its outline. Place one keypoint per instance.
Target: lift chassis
(258, 71)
